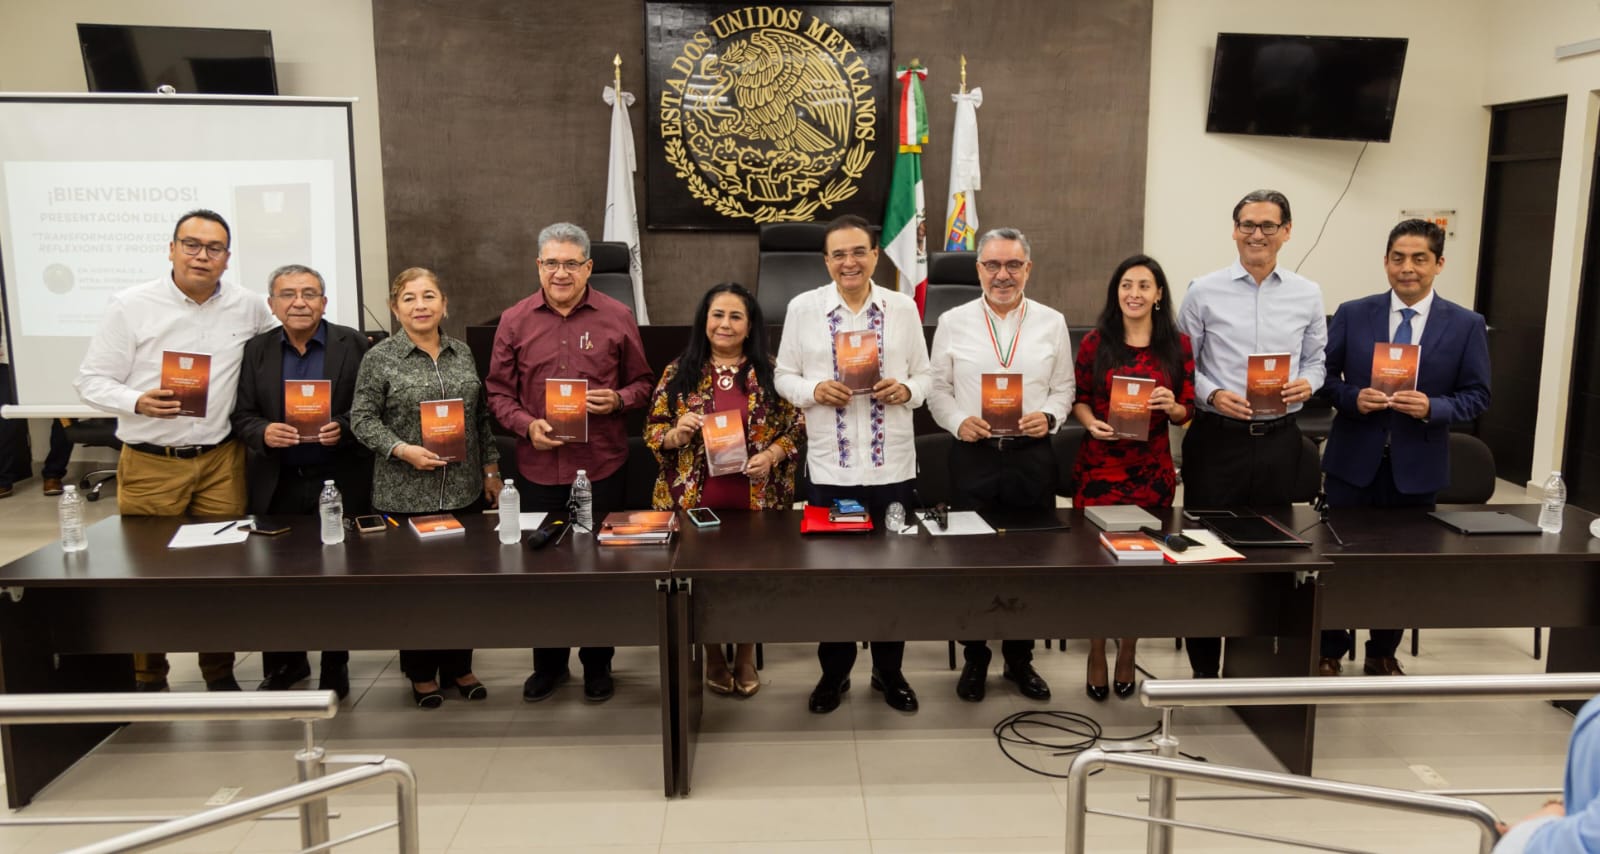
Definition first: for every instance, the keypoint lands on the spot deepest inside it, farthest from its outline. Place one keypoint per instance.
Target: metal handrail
(1402, 800)
(1316, 690)
(297, 794)
(146, 708)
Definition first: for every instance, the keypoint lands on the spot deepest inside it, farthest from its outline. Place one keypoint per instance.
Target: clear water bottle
(582, 503)
(1555, 501)
(72, 537)
(510, 514)
(895, 517)
(330, 506)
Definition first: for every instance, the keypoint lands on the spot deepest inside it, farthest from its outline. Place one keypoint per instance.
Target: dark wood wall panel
(493, 127)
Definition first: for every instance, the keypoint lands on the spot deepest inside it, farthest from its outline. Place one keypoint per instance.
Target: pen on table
(1176, 542)
(224, 527)
(390, 520)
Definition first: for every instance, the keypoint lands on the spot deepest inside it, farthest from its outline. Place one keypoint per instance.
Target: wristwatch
(1050, 422)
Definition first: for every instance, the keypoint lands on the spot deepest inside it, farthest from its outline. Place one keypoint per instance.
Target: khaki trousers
(209, 485)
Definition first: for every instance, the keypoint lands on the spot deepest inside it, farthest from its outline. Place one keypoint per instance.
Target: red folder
(816, 522)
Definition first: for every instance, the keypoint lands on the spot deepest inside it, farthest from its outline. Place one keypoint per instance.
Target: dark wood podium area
(129, 592)
(753, 578)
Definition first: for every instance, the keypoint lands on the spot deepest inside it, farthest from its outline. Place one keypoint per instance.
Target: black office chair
(1308, 477)
(1315, 419)
(939, 299)
(97, 433)
(953, 268)
(612, 274)
(639, 475)
(790, 264)
(1472, 481)
(933, 468)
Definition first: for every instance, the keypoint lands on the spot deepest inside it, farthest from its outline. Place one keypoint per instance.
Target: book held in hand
(856, 354)
(1132, 547)
(1129, 410)
(724, 436)
(307, 406)
(1394, 367)
(1001, 395)
(444, 428)
(436, 525)
(1266, 376)
(566, 407)
(188, 377)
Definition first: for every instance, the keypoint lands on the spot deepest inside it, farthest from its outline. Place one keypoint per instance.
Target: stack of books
(847, 510)
(1132, 547)
(436, 525)
(638, 528)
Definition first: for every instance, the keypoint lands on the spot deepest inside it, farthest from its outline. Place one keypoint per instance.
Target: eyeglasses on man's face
(994, 267)
(191, 246)
(551, 265)
(839, 256)
(305, 295)
(1267, 228)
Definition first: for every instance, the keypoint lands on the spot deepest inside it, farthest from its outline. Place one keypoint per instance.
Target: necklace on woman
(726, 373)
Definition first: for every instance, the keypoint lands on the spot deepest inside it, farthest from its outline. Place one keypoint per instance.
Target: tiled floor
(503, 776)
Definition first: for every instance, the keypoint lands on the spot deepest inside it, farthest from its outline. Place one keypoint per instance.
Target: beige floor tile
(954, 810)
(558, 821)
(828, 846)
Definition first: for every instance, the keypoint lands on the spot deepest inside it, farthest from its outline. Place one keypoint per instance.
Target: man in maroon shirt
(567, 331)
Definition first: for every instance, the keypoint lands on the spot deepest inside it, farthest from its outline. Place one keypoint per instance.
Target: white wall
(1521, 66)
(1435, 159)
(322, 48)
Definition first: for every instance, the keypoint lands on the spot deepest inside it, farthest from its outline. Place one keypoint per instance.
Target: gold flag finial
(963, 74)
(616, 65)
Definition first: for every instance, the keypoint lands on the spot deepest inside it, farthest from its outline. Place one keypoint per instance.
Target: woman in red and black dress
(1136, 336)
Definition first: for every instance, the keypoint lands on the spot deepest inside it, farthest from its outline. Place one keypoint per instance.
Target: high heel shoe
(747, 687)
(1124, 690)
(721, 685)
(1097, 693)
(474, 691)
(427, 699)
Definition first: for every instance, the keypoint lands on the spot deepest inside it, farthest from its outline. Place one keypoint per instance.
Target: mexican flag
(905, 220)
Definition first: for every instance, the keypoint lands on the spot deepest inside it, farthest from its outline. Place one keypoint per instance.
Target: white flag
(622, 218)
(961, 220)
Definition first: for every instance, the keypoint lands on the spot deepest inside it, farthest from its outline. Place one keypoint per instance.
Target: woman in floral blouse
(418, 364)
(726, 371)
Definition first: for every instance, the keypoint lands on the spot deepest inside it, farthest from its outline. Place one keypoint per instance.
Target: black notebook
(1485, 522)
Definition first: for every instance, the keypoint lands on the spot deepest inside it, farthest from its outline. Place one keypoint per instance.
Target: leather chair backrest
(1472, 477)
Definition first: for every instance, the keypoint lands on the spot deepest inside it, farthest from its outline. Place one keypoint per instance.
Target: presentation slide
(93, 186)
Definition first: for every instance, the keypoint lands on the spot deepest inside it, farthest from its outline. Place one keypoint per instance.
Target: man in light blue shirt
(1236, 454)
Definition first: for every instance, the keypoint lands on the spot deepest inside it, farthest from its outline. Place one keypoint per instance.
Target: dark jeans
(986, 477)
(1381, 643)
(1226, 467)
(837, 657)
(610, 495)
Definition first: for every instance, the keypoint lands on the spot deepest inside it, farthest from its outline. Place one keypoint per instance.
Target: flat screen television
(1324, 87)
(192, 60)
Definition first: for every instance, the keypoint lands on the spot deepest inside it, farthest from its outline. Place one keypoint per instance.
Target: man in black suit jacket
(285, 465)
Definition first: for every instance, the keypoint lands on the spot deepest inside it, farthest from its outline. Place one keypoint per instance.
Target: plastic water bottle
(1555, 501)
(894, 518)
(582, 503)
(72, 538)
(510, 514)
(330, 505)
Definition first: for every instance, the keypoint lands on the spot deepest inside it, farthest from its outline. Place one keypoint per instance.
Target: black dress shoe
(896, 691)
(1124, 690)
(427, 699)
(825, 697)
(475, 691)
(283, 678)
(226, 683)
(150, 687)
(541, 685)
(598, 687)
(1030, 683)
(335, 679)
(970, 686)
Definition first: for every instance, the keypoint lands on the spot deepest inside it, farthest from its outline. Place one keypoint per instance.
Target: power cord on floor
(1081, 733)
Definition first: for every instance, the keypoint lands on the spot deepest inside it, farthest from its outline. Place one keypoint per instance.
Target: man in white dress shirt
(1016, 345)
(174, 464)
(860, 446)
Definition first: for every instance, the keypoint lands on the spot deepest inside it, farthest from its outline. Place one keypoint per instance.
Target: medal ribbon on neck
(1010, 353)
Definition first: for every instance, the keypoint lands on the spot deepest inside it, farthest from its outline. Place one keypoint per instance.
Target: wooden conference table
(756, 578)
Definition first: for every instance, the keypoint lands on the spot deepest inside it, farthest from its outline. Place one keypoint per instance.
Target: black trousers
(1382, 643)
(610, 495)
(424, 665)
(1225, 466)
(990, 475)
(297, 492)
(837, 657)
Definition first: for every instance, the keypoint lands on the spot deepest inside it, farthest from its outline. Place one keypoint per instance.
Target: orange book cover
(725, 448)
(1394, 367)
(1266, 375)
(1129, 411)
(188, 376)
(437, 525)
(444, 428)
(566, 407)
(1131, 545)
(307, 406)
(856, 354)
(1001, 396)
(638, 524)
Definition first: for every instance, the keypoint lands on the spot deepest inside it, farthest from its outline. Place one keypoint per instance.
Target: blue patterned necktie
(1402, 334)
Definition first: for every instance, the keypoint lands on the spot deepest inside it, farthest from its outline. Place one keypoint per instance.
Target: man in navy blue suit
(1393, 450)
